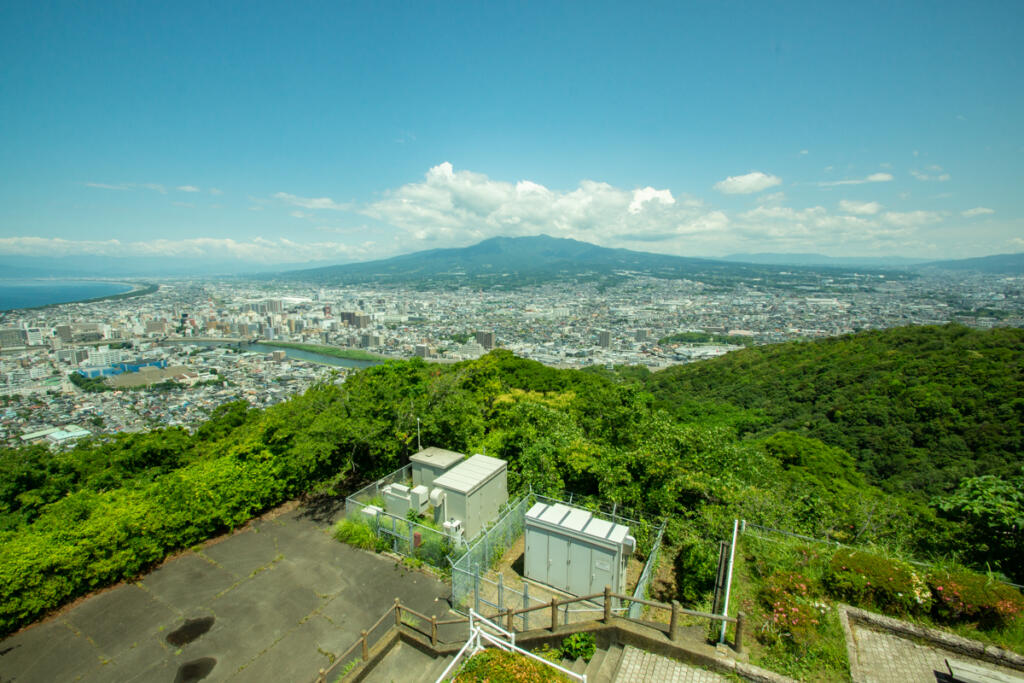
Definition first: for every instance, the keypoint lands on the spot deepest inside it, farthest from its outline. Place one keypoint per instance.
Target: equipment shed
(474, 491)
(569, 549)
(430, 463)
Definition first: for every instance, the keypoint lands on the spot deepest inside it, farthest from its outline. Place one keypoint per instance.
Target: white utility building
(430, 463)
(569, 549)
(471, 493)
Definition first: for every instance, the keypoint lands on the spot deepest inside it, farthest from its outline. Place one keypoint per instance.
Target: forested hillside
(663, 445)
(919, 408)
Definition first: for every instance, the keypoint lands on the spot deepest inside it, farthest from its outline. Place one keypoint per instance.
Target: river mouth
(189, 631)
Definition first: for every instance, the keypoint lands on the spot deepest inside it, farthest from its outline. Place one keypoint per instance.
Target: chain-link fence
(643, 585)
(372, 494)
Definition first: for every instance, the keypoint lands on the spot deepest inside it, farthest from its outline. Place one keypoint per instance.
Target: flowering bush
(965, 596)
(871, 580)
(793, 614)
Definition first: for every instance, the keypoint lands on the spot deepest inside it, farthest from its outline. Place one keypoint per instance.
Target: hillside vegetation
(110, 508)
(919, 408)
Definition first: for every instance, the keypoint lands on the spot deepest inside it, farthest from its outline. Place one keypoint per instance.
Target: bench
(965, 672)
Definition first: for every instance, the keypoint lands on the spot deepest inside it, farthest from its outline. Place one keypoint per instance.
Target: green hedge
(89, 539)
(963, 596)
(890, 585)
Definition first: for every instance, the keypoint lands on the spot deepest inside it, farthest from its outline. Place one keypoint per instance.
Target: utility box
(473, 492)
(398, 500)
(430, 463)
(569, 549)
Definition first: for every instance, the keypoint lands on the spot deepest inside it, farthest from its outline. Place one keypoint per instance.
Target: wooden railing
(607, 598)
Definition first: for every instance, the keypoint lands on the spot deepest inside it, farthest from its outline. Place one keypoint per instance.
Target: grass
(355, 533)
(333, 351)
(793, 627)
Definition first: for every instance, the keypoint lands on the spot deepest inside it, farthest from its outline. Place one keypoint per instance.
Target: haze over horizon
(269, 134)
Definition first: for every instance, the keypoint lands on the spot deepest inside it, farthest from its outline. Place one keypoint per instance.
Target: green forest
(907, 440)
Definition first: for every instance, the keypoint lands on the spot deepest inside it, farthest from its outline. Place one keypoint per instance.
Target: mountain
(770, 258)
(1009, 264)
(522, 260)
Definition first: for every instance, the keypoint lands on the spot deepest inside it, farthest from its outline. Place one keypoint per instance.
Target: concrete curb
(947, 641)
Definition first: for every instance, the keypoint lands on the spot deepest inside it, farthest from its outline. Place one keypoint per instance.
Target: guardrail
(607, 598)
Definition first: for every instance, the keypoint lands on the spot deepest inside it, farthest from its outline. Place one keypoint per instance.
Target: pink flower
(938, 588)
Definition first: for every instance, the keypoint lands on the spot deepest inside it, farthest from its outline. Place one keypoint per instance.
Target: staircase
(405, 664)
(601, 668)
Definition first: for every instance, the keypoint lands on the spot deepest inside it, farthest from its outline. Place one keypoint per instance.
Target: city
(171, 357)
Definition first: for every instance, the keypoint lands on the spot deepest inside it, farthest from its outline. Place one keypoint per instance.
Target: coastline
(138, 289)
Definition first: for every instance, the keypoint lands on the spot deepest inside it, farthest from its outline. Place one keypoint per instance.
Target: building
(485, 339)
(569, 549)
(604, 339)
(471, 493)
(430, 463)
(12, 336)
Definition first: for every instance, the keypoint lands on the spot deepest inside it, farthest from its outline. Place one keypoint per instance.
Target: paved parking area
(278, 601)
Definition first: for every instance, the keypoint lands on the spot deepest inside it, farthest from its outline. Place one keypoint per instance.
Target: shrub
(356, 534)
(794, 612)
(964, 596)
(498, 666)
(872, 580)
(579, 645)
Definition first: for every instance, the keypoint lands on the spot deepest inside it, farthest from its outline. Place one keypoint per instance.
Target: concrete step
(578, 666)
(595, 663)
(440, 664)
(609, 666)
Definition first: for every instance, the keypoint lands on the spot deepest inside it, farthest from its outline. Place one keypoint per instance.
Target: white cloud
(460, 207)
(859, 208)
(155, 186)
(873, 178)
(214, 190)
(911, 219)
(977, 211)
(756, 181)
(105, 186)
(311, 202)
(941, 177)
(804, 152)
(188, 188)
(281, 250)
(649, 194)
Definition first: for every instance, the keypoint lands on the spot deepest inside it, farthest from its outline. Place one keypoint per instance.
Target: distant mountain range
(27, 267)
(1007, 264)
(528, 260)
(519, 260)
(769, 258)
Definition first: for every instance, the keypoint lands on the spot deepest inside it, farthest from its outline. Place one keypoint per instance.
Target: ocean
(30, 293)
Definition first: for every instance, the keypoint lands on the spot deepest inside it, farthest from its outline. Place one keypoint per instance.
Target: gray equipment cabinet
(474, 491)
(569, 549)
(430, 463)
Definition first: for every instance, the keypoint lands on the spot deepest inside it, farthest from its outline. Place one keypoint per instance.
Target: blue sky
(290, 132)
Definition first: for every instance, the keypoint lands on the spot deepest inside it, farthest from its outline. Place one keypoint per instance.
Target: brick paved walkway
(638, 665)
(885, 657)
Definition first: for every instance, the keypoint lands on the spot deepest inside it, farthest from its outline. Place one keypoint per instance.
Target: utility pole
(419, 446)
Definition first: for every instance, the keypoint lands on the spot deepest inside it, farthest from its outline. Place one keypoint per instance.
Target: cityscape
(172, 356)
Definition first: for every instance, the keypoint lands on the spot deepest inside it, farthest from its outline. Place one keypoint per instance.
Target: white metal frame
(502, 639)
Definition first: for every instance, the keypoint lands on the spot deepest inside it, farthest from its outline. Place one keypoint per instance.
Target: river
(297, 354)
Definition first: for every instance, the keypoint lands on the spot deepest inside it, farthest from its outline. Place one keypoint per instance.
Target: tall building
(485, 339)
(604, 338)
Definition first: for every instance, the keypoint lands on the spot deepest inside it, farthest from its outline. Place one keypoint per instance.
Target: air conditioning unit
(419, 496)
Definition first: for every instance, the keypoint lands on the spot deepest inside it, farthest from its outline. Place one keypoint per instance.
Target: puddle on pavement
(196, 670)
(189, 631)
